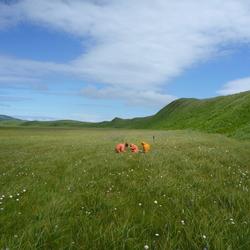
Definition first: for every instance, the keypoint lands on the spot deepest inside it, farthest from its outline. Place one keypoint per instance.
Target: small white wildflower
(17, 199)
(204, 236)
(140, 204)
(157, 235)
(24, 190)
(155, 202)
(11, 196)
(182, 222)
(146, 247)
(15, 235)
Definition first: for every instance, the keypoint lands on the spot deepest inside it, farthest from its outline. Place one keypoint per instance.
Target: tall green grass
(67, 189)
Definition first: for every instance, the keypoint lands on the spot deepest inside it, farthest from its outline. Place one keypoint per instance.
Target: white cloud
(137, 45)
(19, 82)
(21, 68)
(90, 117)
(235, 86)
(34, 118)
(16, 79)
(7, 98)
(76, 116)
(130, 96)
(9, 15)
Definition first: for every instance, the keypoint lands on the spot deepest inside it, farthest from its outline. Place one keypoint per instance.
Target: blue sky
(96, 60)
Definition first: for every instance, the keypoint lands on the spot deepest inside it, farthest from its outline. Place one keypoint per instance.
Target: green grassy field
(67, 189)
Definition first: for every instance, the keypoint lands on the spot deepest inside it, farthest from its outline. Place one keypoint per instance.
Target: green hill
(59, 123)
(228, 115)
(8, 121)
(225, 114)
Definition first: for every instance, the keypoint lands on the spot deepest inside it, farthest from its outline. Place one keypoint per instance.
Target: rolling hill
(8, 121)
(228, 115)
(225, 114)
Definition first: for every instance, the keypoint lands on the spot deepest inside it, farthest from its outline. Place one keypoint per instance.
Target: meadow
(68, 189)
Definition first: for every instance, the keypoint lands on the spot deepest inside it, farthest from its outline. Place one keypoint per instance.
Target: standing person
(134, 148)
(121, 147)
(145, 147)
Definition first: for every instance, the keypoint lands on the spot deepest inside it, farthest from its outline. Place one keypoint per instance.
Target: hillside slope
(8, 121)
(225, 114)
(221, 114)
(228, 115)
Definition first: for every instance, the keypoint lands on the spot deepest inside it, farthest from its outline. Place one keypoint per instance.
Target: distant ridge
(228, 115)
(7, 118)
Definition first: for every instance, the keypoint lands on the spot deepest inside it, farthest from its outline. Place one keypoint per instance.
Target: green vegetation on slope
(60, 123)
(45, 124)
(228, 115)
(224, 115)
(67, 189)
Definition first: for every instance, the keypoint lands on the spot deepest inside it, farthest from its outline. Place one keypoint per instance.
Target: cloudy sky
(94, 60)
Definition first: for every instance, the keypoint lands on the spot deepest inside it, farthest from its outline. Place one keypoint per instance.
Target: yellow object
(145, 146)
